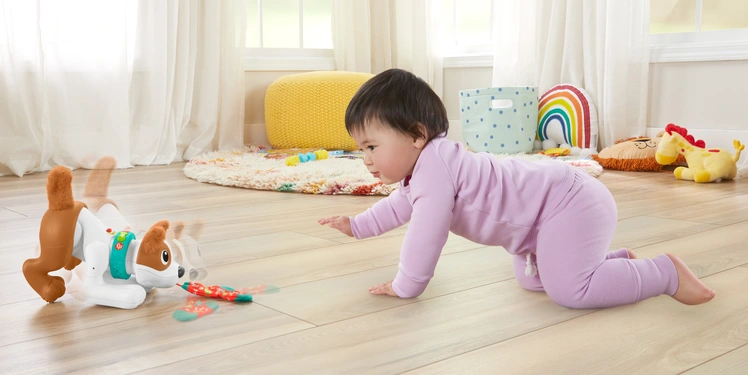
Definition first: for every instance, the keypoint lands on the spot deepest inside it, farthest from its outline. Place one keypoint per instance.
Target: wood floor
(473, 317)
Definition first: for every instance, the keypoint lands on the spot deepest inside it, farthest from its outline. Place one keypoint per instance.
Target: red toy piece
(214, 291)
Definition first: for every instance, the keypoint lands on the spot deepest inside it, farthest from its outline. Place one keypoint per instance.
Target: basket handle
(501, 103)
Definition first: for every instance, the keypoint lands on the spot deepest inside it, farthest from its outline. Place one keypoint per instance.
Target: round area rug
(262, 169)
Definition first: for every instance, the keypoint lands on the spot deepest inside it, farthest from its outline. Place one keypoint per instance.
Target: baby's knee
(530, 283)
(571, 303)
(570, 299)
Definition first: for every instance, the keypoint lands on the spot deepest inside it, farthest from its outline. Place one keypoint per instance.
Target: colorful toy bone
(214, 291)
(309, 156)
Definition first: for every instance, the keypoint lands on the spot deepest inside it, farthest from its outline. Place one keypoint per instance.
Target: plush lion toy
(636, 154)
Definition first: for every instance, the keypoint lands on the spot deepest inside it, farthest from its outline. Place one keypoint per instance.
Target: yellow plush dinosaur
(704, 165)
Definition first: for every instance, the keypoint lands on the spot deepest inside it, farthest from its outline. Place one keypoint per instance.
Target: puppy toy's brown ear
(177, 229)
(153, 239)
(196, 229)
(163, 224)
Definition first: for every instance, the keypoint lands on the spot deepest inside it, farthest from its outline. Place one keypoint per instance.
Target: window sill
(681, 47)
(288, 59)
(719, 45)
(476, 60)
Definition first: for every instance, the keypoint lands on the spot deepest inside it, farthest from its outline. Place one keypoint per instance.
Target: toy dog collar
(118, 254)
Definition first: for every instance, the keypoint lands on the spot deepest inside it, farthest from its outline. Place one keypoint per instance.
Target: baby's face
(388, 154)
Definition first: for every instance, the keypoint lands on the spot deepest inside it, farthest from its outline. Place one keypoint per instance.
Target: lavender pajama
(558, 216)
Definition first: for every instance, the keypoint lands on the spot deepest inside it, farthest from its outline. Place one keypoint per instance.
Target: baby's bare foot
(691, 291)
(632, 254)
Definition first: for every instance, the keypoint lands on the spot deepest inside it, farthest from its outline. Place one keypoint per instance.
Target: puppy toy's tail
(60, 189)
(97, 184)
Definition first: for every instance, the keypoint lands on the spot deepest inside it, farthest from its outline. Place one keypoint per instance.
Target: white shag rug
(261, 169)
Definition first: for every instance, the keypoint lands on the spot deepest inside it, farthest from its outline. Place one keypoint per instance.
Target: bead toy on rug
(704, 165)
(303, 158)
(556, 152)
(214, 291)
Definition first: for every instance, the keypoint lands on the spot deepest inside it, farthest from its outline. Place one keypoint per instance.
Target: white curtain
(599, 45)
(148, 82)
(371, 36)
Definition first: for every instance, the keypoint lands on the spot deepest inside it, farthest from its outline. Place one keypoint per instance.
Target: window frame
(699, 45)
(287, 59)
(695, 46)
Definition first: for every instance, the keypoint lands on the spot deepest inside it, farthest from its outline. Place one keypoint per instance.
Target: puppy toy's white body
(112, 279)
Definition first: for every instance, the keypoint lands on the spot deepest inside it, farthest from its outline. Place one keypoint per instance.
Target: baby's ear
(420, 142)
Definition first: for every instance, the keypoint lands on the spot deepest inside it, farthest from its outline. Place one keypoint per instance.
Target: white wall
(708, 98)
(256, 83)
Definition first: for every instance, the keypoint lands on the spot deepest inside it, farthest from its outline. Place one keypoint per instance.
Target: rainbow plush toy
(303, 158)
(704, 165)
(567, 119)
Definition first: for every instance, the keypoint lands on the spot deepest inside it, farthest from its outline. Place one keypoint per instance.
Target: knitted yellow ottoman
(307, 110)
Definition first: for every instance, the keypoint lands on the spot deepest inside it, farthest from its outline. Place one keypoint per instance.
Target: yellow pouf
(307, 110)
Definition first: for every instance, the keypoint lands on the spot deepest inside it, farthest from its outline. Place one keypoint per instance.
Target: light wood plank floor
(473, 318)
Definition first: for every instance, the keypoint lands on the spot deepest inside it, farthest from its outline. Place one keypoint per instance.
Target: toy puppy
(120, 269)
(184, 243)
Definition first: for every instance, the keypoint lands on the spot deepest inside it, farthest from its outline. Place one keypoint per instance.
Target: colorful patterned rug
(261, 169)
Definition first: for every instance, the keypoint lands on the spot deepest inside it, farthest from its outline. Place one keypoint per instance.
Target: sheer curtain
(599, 45)
(375, 35)
(148, 82)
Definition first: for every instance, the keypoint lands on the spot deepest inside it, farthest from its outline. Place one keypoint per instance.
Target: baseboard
(455, 131)
(713, 137)
(255, 134)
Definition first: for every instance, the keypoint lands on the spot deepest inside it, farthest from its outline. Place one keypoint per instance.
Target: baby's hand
(341, 223)
(383, 288)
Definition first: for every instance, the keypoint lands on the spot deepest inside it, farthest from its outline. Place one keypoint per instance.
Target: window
(698, 30)
(289, 35)
(679, 16)
(466, 26)
(681, 30)
(289, 24)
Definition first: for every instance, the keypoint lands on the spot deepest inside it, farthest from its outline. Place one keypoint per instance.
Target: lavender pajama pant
(574, 266)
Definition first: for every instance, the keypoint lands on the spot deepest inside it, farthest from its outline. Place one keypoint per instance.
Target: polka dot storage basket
(307, 110)
(500, 120)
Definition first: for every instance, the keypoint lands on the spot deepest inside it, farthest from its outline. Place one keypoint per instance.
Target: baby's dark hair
(399, 99)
